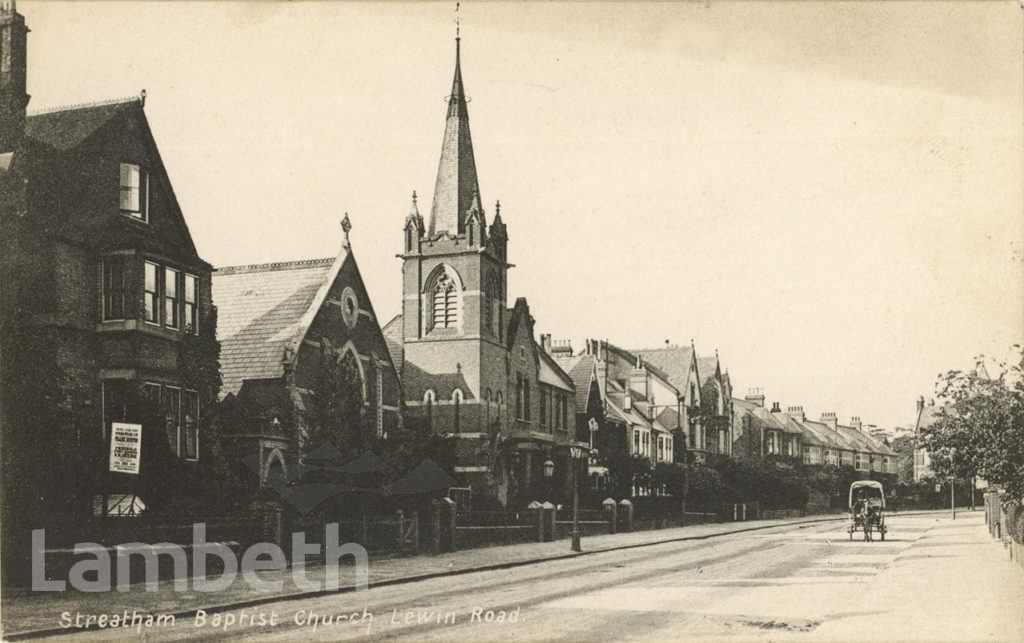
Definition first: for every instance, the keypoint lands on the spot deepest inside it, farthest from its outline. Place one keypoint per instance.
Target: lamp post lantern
(548, 468)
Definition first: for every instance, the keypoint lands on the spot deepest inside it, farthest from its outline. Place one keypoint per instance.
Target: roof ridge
(277, 265)
(76, 106)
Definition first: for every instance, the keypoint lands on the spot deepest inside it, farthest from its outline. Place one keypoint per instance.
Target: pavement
(933, 579)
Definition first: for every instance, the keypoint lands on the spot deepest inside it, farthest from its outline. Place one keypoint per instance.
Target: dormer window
(134, 199)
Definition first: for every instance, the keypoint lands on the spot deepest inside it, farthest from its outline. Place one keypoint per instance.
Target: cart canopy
(872, 491)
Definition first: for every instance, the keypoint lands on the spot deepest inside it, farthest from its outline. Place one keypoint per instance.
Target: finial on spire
(346, 226)
(142, 97)
(457, 25)
(414, 197)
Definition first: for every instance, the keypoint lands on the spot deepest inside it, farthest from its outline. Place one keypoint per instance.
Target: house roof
(864, 441)
(265, 309)
(393, 337)
(581, 369)
(674, 362)
(706, 368)
(615, 397)
(550, 373)
(668, 418)
(927, 416)
(68, 127)
(764, 418)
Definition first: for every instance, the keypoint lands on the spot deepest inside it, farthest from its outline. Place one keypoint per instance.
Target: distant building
(927, 414)
(716, 401)
(679, 365)
(760, 432)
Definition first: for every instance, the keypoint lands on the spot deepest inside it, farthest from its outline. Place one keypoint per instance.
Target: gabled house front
(679, 364)
(107, 316)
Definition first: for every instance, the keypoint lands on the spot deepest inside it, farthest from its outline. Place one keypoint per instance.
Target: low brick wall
(488, 536)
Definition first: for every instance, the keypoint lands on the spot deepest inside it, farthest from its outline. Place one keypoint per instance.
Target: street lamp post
(952, 483)
(575, 452)
(952, 496)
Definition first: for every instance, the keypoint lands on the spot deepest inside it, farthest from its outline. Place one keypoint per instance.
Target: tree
(980, 429)
(336, 414)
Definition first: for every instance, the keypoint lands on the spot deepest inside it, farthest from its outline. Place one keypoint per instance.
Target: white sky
(830, 194)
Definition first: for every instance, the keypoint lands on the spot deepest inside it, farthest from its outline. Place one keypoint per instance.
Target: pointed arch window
(457, 404)
(491, 310)
(428, 401)
(444, 303)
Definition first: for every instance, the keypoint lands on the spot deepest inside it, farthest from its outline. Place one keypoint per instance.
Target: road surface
(932, 579)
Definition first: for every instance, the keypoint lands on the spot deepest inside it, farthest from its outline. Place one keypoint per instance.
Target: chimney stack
(795, 412)
(638, 380)
(756, 396)
(856, 423)
(776, 408)
(830, 419)
(13, 58)
(561, 347)
(545, 343)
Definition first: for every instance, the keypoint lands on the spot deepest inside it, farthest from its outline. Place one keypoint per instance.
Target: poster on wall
(125, 447)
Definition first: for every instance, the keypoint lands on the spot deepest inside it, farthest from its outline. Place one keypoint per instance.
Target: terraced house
(760, 432)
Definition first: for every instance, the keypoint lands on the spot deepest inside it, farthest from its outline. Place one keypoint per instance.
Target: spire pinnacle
(456, 185)
(346, 227)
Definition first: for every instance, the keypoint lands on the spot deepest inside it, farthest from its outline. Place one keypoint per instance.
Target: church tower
(454, 313)
(13, 98)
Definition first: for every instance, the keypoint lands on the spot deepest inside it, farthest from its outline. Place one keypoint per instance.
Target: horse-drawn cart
(867, 509)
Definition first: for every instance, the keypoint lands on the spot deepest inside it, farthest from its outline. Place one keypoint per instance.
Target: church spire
(456, 185)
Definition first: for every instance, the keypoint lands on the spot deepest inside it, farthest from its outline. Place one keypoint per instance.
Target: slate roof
(674, 362)
(416, 382)
(668, 418)
(262, 309)
(393, 332)
(929, 413)
(706, 367)
(764, 418)
(67, 128)
(615, 398)
(549, 372)
(580, 368)
(864, 441)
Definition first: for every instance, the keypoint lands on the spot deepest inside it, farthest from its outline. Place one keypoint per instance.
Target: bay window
(114, 288)
(191, 303)
(170, 297)
(152, 293)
